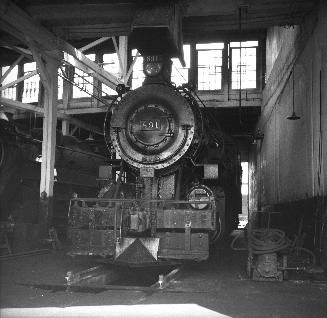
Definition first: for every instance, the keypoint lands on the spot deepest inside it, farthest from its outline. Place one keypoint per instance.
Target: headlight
(152, 65)
(152, 69)
(200, 193)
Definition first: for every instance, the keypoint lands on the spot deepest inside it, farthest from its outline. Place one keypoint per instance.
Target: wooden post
(96, 83)
(123, 53)
(67, 93)
(50, 69)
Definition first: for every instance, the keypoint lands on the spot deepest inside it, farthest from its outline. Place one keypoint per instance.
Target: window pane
(209, 66)
(31, 85)
(210, 46)
(137, 75)
(111, 65)
(179, 74)
(9, 92)
(83, 81)
(244, 72)
(244, 44)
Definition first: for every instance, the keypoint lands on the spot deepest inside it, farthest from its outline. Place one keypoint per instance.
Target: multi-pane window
(111, 65)
(179, 74)
(31, 84)
(83, 82)
(244, 64)
(209, 65)
(9, 92)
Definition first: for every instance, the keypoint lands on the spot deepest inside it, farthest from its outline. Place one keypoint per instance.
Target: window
(209, 65)
(137, 76)
(179, 74)
(9, 92)
(31, 85)
(111, 65)
(244, 64)
(83, 82)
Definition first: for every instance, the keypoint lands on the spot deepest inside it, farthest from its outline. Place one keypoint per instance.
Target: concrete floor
(217, 288)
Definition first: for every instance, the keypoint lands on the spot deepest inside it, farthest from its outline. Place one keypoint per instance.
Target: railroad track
(128, 278)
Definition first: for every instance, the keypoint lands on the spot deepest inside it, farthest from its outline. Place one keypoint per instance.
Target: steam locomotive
(176, 185)
(20, 172)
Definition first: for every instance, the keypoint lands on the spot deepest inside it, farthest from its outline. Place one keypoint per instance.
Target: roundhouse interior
(162, 103)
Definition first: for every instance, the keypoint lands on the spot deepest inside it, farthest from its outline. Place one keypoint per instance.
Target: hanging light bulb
(293, 116)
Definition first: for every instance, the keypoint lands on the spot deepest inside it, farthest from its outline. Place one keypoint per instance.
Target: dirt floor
(35, 286)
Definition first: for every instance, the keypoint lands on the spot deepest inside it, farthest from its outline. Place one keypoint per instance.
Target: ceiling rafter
(40, 110)
(19, 22)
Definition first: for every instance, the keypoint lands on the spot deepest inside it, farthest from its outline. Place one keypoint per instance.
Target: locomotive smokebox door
(154, 127)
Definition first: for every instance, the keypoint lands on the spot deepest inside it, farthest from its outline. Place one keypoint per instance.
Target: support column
(67, 93)
(123, 53)
(96, 83)
(50, 81)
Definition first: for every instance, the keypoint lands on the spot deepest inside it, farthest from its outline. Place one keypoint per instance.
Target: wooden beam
(48, 43)
(18, 80)
(12, 66)
(129, 73)
(16, 49)
(41, 66)
(67, 93)
(118, 54)
(21, 106)
(123, 53)
(49, 130)
(94, 43)
(96, 71)
(61, 114)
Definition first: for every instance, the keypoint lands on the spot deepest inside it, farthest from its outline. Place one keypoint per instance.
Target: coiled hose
(265, 241)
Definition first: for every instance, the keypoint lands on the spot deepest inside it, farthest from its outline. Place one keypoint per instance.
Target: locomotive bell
(154, 126)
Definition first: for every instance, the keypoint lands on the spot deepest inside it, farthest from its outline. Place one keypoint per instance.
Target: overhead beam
(61, 114)
(12, 66)
(18, 80)
(94, 43)
(20, 22)
(95, 70)
(16, 49)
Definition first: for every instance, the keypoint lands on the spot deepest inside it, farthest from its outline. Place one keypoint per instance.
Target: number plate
(150, 124)
(146, 172)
